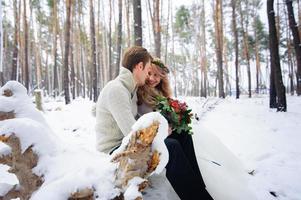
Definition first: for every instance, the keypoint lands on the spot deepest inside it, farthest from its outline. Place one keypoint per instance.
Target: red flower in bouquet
(177, 114)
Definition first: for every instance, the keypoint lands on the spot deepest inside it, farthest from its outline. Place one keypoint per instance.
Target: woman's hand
(169, 130)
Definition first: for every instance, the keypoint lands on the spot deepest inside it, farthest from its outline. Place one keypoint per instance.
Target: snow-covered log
(21, 156)
(142, 153)
(21, 164)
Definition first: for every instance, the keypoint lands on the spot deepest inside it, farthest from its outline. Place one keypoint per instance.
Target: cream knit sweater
(116, 109)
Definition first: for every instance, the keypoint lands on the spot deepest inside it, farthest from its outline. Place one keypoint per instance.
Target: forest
(213, 48)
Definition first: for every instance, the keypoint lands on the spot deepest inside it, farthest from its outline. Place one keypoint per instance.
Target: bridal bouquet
(177, 114)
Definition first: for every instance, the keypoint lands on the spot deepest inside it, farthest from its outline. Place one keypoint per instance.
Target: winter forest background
(213, 48)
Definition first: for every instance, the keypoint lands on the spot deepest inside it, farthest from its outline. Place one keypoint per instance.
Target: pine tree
(137, 22)
(93, 47)
(296, 39)
(67, 47)
(277, 98)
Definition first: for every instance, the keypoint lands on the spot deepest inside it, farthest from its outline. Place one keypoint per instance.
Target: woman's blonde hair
(147, 94)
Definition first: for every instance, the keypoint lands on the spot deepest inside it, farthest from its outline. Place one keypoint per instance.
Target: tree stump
(38, 99)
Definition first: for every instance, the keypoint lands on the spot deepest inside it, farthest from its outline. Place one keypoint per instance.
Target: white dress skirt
(225, 177)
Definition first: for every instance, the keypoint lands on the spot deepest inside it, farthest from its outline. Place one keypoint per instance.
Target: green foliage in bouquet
(177, 114)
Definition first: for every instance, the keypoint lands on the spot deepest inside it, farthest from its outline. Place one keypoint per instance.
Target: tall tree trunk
(93, 47)
(110, 49)
(257, 64)
(157, 28)
(16, 35)
(101, 71)
(137, 22)
(296, 38)
(155, 19)
(26, 67)
(257, 58)
(203, 52)
(235, 34)
(71, 57)
(67, 47)
(54, 51)
(219, 46)
(289, 52)
(1, 48)
(277, 18)
(119, 38)
(275, 61)
(246, 47)
(173, 69)
(299, 17)
(228, 84)
(167, 31)
(128, 28)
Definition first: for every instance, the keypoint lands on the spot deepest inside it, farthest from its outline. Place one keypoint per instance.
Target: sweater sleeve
(119, 104)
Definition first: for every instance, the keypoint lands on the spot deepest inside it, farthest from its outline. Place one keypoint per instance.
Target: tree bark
(67, 47)
(119, 38)
(235, 33)
(246, 48)
(26, 67)
(93, 48)
(289, 53)
(296, 39)
(128, 28)
(137, 22)
(54, 51)
(219, 46)
(110, 48)
(1, 48)
(16, 35)
(157, 28)
(203, 52)
(276, 75)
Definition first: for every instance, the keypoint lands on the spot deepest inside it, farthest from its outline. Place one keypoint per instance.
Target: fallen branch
(6, 115)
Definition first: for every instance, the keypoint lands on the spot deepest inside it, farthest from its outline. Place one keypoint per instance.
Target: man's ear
(140, 65)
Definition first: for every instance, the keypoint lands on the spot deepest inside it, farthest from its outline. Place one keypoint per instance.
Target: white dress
(226, 180)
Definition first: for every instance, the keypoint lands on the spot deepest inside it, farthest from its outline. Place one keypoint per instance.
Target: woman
(182, 170)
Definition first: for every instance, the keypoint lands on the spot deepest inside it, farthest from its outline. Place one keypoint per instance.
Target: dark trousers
(182, 169)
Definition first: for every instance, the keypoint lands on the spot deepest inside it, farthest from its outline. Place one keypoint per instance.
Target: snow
(232, 137)
(263, 140)
(132, 191)
(4, 149)
(20, 103)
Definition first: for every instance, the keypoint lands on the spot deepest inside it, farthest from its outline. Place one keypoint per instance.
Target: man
(116, 106)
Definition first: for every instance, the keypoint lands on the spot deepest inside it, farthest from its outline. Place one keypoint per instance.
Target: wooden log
(7, 93)
(6, 115)
(138, 159)
(21, 166)
(85, 194)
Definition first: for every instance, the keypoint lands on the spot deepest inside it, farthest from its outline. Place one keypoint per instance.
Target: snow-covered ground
(264, 141)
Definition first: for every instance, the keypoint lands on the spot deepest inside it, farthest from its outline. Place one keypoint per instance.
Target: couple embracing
(133, 93)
